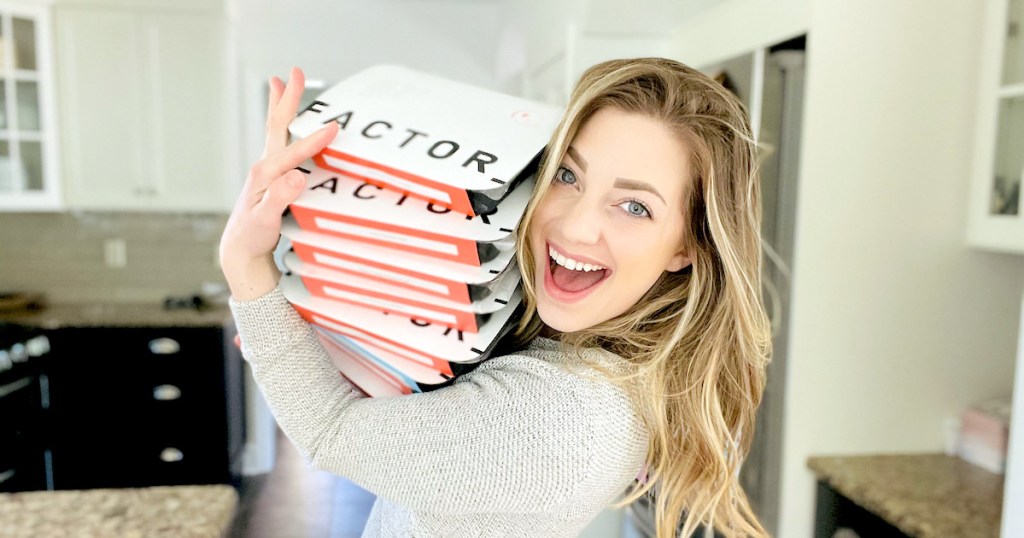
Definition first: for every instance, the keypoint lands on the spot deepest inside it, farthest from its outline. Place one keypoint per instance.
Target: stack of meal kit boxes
(401, 250)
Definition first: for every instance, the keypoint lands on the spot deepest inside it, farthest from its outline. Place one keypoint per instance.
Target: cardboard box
(493, 281)
(333, 285)
(436, 341)
(341, 205)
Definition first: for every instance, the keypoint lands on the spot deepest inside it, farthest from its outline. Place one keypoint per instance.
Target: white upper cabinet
(29, 178)
(995, 218)
(143, 105)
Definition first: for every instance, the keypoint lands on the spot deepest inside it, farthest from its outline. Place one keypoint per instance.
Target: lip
(568, 297)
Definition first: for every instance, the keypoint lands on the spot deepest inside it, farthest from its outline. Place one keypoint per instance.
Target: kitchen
(897, 319)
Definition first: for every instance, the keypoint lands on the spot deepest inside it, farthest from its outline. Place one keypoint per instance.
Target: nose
(581, 222)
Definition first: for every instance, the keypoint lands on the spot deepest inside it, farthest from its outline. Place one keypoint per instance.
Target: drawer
(178, 460)
(139, 346)
(101, 370)
(152, 455)
(95, 461)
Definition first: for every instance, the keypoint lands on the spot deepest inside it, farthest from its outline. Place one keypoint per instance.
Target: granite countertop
(178, 511)
(59, 315)
(924, 495)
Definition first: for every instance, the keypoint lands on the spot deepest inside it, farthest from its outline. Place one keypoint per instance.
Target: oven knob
(38, 346)
(19, 353)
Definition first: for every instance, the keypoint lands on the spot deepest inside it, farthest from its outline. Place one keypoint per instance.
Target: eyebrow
(620, 182)
(577, 157)
(624, 183)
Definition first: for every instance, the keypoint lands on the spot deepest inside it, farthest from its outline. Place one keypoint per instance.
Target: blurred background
(893, 144)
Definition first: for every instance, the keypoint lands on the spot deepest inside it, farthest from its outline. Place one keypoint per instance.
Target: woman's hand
(254, 227)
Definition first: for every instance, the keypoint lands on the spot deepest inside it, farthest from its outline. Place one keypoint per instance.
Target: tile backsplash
(62, 255)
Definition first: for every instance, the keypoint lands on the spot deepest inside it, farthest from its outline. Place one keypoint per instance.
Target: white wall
(895, 322)
(733, 27)
(331, 39)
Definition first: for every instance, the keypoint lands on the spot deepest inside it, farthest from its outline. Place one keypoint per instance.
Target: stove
(24, 459)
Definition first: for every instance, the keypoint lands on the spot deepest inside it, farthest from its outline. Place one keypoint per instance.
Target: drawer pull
(164, 346)
(171, 455)
(165, 393)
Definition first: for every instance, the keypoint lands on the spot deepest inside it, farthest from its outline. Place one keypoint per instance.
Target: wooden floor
(294, 501)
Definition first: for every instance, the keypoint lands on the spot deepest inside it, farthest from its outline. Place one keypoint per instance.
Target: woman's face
(611, 222)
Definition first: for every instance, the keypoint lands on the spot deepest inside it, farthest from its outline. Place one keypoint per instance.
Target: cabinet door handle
(171, 454)
(164, 346)
(166, 393)
(6, 475)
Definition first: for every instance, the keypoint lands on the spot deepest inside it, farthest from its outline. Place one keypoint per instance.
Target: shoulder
(551, 377)
(546, 363)
(572, 398)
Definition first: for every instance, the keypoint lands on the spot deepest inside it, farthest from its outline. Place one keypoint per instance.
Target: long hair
(698, 342)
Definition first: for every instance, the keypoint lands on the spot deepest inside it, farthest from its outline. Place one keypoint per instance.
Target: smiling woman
(651, 178)
(643, 344)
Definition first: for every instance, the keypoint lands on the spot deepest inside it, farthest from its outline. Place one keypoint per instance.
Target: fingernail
(295, 181)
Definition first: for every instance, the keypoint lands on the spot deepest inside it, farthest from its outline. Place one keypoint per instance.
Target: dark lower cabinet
(834, 512)
(135, 407)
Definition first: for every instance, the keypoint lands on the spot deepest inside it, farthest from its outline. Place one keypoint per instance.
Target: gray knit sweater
(524, 445)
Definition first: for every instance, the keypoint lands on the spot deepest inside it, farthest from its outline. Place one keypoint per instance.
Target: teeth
(570, 263)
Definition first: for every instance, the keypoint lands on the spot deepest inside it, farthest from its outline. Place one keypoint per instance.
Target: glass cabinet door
(1009, 154)
(996, 221)
(27, 155)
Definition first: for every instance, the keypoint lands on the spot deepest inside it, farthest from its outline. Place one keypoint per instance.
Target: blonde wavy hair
(699, 340)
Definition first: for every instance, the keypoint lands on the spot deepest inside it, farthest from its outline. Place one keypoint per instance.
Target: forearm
(293, 370)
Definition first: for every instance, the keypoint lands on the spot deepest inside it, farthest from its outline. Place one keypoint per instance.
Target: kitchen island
(178, 511)
(918, 495)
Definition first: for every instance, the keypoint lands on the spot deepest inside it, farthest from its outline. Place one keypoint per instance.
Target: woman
(643, 344)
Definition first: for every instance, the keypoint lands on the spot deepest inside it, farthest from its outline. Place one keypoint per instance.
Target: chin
(562, 322)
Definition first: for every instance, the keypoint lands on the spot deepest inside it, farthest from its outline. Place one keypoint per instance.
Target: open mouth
(568, 279)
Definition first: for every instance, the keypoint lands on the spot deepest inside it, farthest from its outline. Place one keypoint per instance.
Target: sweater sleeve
(513, 435)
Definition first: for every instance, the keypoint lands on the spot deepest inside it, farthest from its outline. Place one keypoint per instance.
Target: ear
(678, 262)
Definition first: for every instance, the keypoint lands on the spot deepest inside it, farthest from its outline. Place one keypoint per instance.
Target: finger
(281, 192)
(276, 164)
(284, 111)
(276, 89)
(274, 97)
(238, 341)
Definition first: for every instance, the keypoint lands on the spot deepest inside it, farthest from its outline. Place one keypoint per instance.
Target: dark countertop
(172, 511)
(924, 495)
(60, 315)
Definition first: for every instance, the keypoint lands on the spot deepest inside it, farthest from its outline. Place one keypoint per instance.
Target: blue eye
(635, 208)
(564, 175)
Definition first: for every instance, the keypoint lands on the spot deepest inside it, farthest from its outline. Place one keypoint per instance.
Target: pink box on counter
(985, 434)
